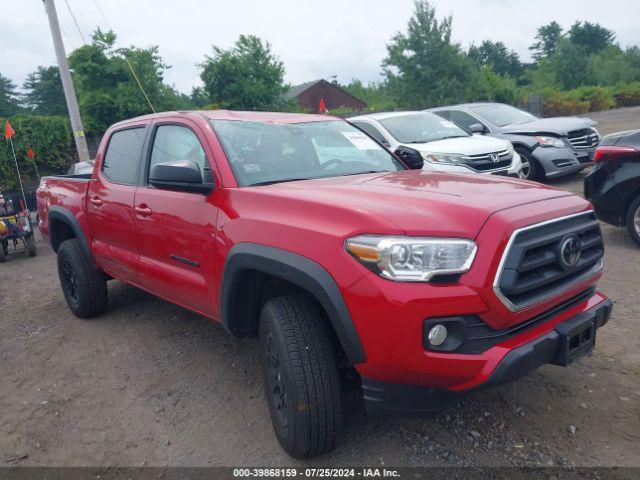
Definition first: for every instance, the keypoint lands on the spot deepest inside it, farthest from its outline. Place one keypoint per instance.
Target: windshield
(263, 153)
(421, 128)
(502, 115)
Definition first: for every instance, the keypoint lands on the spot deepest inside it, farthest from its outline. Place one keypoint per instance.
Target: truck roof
(264, 117)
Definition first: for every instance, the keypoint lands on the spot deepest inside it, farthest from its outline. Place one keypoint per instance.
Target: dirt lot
(151, 384)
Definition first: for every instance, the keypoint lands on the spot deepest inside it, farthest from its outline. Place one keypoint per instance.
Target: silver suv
(549, 147)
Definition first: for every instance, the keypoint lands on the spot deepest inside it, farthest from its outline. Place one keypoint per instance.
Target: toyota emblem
(494, 157)
(570, 252)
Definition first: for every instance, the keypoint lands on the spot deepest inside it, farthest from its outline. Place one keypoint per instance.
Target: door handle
(143, 210)
(96, 201)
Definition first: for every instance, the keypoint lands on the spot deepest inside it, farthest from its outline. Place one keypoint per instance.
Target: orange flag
(8, 131)
(322, 108)
(31, 153)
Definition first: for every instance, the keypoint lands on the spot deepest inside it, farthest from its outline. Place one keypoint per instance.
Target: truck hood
(417, 202)
(471, 145)
(557, 125)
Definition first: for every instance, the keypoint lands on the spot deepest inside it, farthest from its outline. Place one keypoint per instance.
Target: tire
(30, 243)
(3, 253)
(83, 285)
(5, 248)
(633, 220)
(534, 171)
(300, 376)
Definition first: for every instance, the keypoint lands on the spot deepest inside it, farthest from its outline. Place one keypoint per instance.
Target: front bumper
(562, 344)
(558, 162)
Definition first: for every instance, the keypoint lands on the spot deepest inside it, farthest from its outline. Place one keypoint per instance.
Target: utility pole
(67, 83)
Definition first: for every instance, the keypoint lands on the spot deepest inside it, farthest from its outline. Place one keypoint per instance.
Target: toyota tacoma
(304, 232)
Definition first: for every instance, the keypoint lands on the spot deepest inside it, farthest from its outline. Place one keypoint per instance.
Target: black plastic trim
(68, 218)
(298, 270)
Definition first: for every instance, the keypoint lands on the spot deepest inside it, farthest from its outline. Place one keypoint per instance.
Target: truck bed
(64, 192)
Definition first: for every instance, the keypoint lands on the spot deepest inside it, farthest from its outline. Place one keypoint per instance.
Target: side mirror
(410, 157)
(182, 175)
(477, 128)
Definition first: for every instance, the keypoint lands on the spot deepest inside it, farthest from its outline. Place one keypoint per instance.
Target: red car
(304, 232)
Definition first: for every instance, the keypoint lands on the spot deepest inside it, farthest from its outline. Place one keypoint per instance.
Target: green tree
(9, 103)
(248, 76)
(198, 97)
(547, 38)
(376, 95)
(44, 93)
(497, 56)
(423, 66)
(591, 37)
(569, 64)
(491, 86)
(612, 66)
(107, 89)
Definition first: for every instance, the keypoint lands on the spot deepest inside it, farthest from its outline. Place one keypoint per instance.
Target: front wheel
(4, 251)
(531, 169)
(300, 376)
(633, 220)
(83, 285)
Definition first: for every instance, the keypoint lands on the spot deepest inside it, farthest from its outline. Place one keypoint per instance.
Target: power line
(133, 72)
(104, 18)
(84, 40)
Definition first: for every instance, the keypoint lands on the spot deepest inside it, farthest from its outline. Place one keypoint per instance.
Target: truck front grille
(546, 259)
(489, 161)
(583, 138)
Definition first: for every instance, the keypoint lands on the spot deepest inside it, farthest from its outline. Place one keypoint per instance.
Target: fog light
(437, 335)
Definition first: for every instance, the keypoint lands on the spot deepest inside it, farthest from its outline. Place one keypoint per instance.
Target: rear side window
(462, 119)
(371, 130)
(122, 159)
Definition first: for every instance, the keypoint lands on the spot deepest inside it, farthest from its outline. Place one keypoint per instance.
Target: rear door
(110, 203)
(176, 229)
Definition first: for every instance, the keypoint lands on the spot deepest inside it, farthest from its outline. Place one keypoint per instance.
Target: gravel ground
(149, 383)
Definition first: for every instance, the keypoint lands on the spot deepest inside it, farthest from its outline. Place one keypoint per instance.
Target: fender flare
(65, 216)
(296, 269)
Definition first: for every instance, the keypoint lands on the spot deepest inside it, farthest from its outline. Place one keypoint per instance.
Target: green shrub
(561, 104)
(599, 98)
(51, 139)
(627, 96)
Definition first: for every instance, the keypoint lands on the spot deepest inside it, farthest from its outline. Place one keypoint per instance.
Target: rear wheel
(633, 220)
(300, 376)
(531, 169)
(30, 243)
(3, 252)
(83, 285)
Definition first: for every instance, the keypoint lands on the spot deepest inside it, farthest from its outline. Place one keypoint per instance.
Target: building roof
(298, 89)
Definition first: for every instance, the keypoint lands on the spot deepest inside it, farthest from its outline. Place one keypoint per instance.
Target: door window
(175, 143)
(122, 159)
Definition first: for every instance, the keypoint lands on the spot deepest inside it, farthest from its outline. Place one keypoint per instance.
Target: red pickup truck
(304, 232)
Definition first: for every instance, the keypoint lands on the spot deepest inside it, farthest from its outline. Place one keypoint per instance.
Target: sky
(315, 39)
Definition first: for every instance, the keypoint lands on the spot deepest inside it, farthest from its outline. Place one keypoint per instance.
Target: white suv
(444, 146)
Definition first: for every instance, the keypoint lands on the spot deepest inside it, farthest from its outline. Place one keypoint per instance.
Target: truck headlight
(412, 259)
(442, 158)
(550, 142)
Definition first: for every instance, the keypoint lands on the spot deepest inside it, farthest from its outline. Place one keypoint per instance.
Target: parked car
(302, 231)
(614, 184)
(81, 168)
(443, 146)
(549, 147)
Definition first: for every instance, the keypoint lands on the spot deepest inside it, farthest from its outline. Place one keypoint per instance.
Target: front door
(110, 204)
(176, 230)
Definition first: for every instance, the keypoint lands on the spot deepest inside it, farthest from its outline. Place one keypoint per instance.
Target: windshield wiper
(271, 182)
(439, 138)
